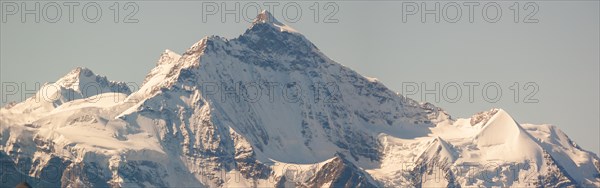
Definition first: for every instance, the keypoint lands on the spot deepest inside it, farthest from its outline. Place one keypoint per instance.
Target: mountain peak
(72, 78)
(502, 131)
(482, 118)
(82, 79)
(167, 57)
(80, 70)
(265, 17)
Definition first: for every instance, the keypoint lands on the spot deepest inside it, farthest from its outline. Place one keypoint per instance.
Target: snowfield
(269, 109)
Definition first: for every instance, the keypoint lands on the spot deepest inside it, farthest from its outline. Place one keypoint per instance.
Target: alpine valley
(269, 109)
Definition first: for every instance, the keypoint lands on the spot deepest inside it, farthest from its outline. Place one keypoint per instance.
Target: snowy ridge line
(79, 83)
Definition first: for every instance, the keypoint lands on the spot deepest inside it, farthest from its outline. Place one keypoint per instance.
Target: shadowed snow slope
(269, 109)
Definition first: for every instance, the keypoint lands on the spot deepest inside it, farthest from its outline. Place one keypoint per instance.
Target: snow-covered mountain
(268, 109)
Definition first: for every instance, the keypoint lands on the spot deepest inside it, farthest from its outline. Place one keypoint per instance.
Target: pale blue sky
(560, 53)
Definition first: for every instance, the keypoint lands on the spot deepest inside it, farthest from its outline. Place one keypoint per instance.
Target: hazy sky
(554, 61)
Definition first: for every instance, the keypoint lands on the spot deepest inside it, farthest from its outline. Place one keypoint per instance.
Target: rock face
(340, 173)
(268, 109)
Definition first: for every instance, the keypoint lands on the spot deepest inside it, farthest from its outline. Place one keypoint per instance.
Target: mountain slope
(268, 109)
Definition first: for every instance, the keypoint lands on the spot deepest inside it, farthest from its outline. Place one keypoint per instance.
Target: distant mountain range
(269, 109)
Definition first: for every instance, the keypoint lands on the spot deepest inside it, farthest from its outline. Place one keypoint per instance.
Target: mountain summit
(269, 109)
(265, 17)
